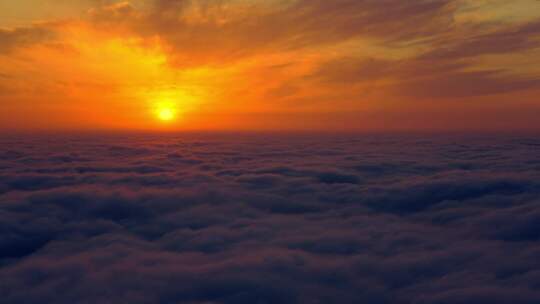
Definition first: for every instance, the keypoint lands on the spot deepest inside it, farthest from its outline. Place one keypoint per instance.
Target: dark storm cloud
(275, 219)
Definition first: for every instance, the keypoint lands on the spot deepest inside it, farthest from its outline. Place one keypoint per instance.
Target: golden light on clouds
(260, 64)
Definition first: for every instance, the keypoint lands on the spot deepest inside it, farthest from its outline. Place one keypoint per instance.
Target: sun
(168, 106)
(165, 111)
(166, 114)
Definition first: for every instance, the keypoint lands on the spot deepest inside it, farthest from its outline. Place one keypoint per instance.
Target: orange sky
(270, 65)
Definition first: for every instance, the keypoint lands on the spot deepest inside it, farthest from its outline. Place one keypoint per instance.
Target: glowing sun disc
(165, 114)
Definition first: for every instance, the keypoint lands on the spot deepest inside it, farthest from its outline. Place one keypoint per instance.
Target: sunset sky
(349, 65)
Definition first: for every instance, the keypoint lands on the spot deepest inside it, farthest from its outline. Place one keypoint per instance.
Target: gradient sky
(270, 65)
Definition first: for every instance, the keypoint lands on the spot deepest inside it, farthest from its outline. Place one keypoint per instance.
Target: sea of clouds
(225, 218)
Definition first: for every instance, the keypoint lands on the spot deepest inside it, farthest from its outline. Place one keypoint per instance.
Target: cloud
(193, 29)
(312, 64)
(12, 39)
(379, 219)
(447, 68)
(508, 39)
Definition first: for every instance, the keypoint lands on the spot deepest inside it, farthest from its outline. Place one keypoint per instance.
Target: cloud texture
(390, 62)
(240, 218)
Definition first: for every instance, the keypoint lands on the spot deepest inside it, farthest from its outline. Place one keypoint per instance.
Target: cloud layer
(207, 218)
